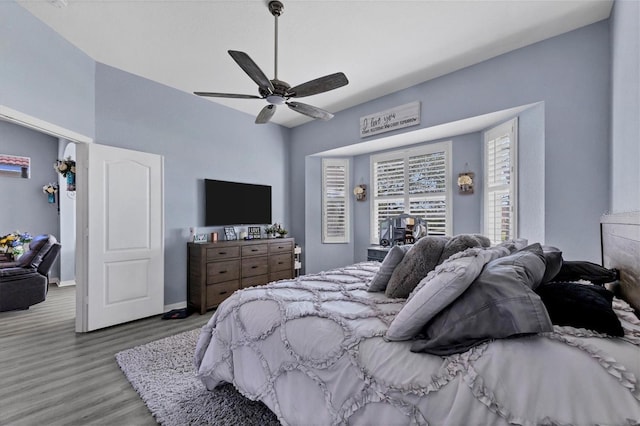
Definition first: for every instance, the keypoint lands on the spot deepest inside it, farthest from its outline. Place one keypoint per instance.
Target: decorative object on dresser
(200, 238)
(216, 270)
(230, 233)
(255, 233)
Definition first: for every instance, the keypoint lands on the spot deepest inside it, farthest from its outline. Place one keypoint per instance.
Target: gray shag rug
(163, 374)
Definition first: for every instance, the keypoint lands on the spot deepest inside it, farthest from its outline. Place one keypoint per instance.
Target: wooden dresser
(216, 270)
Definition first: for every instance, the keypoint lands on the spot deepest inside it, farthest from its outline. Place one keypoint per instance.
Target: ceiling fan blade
(310, 111)
(265, 114)
(319, 85)
(226, 95)
(252, 70)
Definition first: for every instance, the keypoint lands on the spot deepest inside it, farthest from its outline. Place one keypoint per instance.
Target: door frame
(31, 122)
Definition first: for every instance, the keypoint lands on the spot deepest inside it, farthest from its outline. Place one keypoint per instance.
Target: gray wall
(43, 75)
(625, 106)
(199, 139)
(569, 73)
(24, 206)
(467, 151)
(467, 209)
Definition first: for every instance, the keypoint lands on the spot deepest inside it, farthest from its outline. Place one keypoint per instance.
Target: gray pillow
(416, 264)
(500, 303)
(514, 245)
(553, 261)
(389, 263)
(462, 242)
(438, 289)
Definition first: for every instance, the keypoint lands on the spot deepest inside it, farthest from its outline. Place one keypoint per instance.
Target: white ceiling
(382, 46)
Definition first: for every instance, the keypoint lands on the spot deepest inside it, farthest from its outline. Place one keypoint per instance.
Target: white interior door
(121, 224)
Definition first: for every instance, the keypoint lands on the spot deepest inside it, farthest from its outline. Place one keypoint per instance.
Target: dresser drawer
(280, 247)
(221, 253)
(255, 250)
(218, 272)
(255, 266)
(216, 293)
(280, 275)
(254, 281)
(280, 262)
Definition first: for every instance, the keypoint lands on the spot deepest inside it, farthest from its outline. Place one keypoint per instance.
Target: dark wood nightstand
(377, 253)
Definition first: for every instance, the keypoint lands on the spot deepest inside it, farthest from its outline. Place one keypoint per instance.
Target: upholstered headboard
(620, 239)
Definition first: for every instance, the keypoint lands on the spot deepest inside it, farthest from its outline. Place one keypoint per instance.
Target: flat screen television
(235, 203)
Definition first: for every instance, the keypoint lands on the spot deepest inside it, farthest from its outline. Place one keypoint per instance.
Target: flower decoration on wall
(465, 183)
(50, 190)
(15, 243)
(360, 191)
(67, 168)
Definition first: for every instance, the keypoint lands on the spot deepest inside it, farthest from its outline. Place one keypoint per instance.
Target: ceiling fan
(278, 92)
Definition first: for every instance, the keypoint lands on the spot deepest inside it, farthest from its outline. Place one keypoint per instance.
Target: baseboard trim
(66, 283)
(178, 305)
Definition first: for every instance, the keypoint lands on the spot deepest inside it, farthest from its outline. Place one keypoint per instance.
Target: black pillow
(581, 306)
(582, 270)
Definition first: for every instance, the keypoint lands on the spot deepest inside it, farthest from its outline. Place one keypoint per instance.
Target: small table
(377, 253)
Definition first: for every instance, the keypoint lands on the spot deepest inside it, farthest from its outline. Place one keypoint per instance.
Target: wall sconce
(465, 183)
(360, 191)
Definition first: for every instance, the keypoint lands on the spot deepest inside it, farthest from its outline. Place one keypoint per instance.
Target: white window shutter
(500, 213)
(335, 200)
(413, 181)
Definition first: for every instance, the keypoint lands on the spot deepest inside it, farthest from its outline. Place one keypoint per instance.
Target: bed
(317, 350)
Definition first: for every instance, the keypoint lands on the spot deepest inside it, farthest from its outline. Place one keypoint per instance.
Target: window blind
(500, 189)
(412, 181)
(335, 200)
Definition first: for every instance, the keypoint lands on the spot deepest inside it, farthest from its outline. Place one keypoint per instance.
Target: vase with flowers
(275, 231)
(50, 190)
(15, 244)
(67, 168)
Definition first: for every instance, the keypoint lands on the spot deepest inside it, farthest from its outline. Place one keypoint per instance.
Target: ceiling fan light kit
(277, 92)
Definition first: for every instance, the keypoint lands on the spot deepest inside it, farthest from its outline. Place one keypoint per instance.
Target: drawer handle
(254, 266)
(280, 263)
(222, 252)
(223, 272)
(254, 249)
(222, 292)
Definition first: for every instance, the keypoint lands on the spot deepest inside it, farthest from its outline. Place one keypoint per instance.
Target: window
(413, 181)
(335, 200)
(500, 177)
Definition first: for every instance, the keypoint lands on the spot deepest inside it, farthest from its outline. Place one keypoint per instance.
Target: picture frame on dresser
(255, 232)
(230, 233)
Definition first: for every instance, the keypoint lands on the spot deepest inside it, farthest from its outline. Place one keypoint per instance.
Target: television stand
(215, 270)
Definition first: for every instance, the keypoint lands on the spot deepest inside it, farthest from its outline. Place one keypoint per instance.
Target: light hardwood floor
(51, 375)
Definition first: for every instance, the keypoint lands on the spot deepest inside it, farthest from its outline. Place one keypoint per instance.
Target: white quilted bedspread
(312, 350)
